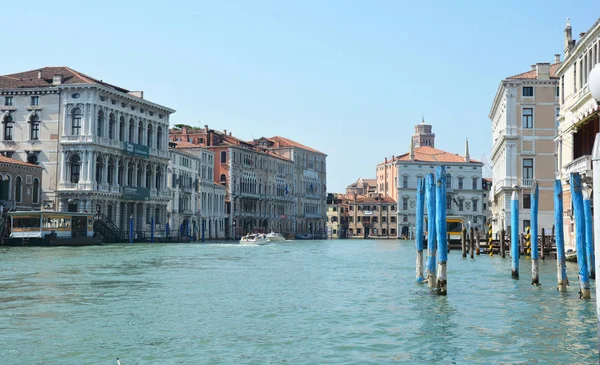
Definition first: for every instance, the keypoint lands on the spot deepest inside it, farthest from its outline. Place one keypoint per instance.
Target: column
(63, 168)
(116, 172)
(90, 166)
(133, 163)
(144, 174)
(105, 170)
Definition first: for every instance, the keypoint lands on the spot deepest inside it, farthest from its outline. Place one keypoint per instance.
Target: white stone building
(523, 116)
(205, 212)
(464, 191)
(103, 148)
(183, 183)
(578, 121)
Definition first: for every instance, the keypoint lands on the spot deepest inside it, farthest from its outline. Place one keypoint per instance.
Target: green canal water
(302, 302)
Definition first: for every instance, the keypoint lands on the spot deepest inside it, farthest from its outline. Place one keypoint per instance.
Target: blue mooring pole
(431, 241)
(561, 262)
(419, 228)
(535, 197)
(577, 196)
(152, 230)
(131, 229)
(203, 226)
(589, 231)
(440, 220)
(514, 232)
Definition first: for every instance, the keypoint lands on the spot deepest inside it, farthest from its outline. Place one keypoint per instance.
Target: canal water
(299, 302)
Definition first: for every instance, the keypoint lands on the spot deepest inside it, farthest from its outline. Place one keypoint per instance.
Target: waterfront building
(310, 182)
(578, 120)
(209, 212)
(183, 182)
(464, 197)
(20, 185)
(363, 187)
(523, 116)
(337, 215)
(102, 148)
(259, 183)
(371, 217)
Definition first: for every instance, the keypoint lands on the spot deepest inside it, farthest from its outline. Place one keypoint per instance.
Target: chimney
(206, 128)
(225, 131)
(581, 35)
(229, 134)
(386, 160)
(557, 58)
(569, 41)
(137, 94)
(467, 157)
(412, 150)
(57, 80)
(532, 67)
(39, 74)
(183, 130)
(543, 71)
(393, 157)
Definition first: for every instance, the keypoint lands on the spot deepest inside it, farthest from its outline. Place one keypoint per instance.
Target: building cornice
(583, 43)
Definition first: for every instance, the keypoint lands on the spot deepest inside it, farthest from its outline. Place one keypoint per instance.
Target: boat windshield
(26, 223)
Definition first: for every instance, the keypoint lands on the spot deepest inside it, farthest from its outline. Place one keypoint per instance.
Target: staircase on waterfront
(107, 229)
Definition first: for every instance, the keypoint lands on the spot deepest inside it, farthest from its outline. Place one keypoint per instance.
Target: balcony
(525, 183)
(582, 165)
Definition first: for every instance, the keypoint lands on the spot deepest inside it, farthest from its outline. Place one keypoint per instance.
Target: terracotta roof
(371, 182)
(373, 199)
(185, 144)
(532, 74)
(285, 142)
(430, 154)
(30, 79)
(8, 160)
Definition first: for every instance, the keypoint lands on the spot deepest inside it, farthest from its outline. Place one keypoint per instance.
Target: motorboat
(255, 238)
(275, 237)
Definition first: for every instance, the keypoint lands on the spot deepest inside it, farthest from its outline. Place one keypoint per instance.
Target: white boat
(275, 237)
(255, 238)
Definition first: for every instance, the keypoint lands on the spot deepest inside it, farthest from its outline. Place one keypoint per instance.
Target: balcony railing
(582, 165)
(526, 182)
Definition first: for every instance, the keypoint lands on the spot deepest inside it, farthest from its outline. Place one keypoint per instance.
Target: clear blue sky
(349, 78)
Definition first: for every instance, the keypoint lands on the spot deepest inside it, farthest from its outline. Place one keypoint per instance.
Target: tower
(423, 135)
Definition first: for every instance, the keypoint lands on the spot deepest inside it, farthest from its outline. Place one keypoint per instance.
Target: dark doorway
(72, 207)
(405, 232)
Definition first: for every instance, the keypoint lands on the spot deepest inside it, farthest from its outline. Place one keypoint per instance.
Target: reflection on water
(305, 302)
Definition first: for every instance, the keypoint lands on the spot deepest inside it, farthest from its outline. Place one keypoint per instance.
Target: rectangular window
(526, 201)
(527, 121)
(383, 231)
(223, 156)
(393, 231)
(404, 203)
(527, 168)
(351, 207)
(393, 207)
(448, 203)
(527, 90)
(358, 231)
(35, 100)
(8, 100)
(374, 220)
(393, 219)
(461, 205)
(460, 183)
(76, 126)
(405, 218)
(557, 91)
(474, 183)
(383, 219)
(350, 219)
(474, 205)
(35, 131)
(405, 182)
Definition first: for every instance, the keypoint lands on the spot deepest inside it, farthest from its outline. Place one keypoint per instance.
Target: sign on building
(138, 150)
(136, 193)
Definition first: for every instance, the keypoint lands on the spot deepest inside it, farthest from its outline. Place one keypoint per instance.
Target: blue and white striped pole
(589, 230)
(419, 228)
(440, 220)
(561, 262)
(431, 240)
(535, 197)
(131, 228)
(514, 232)
(577, 196)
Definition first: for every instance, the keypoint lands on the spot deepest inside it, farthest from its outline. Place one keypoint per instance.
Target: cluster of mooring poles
(433, 191)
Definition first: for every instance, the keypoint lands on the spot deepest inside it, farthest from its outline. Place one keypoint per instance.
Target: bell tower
(423, 135)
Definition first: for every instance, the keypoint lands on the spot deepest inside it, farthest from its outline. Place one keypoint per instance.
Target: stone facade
(372, 217)
(523, 117)
(578, 121)
(103, 148)
(20, 185)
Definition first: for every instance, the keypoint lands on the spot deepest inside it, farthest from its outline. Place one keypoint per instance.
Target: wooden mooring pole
(543, 246)
(431, 227)
(419, 228)
(471, 243)
(502, 247)
(477, 244)
(561, 262)
(463, 241)
(440, 218)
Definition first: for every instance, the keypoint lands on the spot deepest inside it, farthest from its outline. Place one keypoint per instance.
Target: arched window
(448, 181)
(159, 136)
(149, 136)
(75, 163)
(139, 175)
(140, 133)
(36, 191)
(131, 130)
(120, 174)
(122, 129)
(100, 124)
(158, 179)
(76, 122)
(111, 171)
(99, 169)
(223, 180)
(111, 126)
(148, 176)
(18, 189)
(8, 127)
(130, 175)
